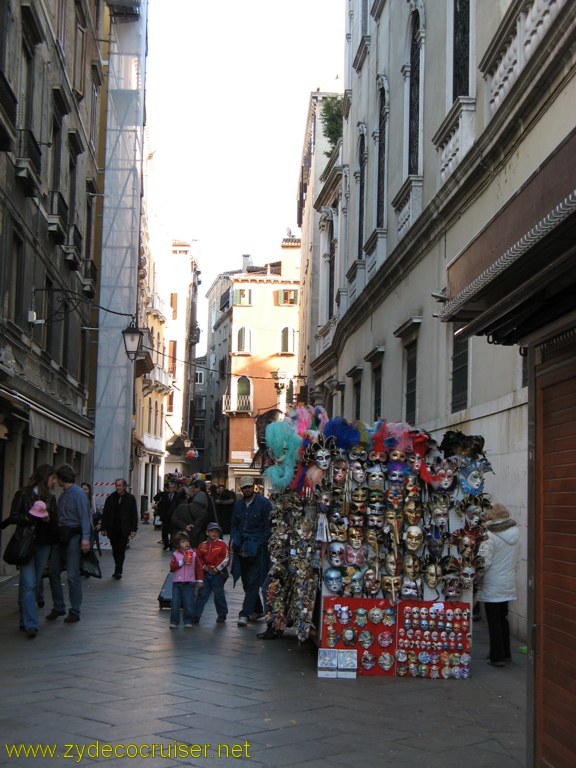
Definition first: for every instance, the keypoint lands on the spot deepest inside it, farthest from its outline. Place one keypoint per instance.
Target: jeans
(70, 554)
(213, 583)
(250, 573)
(30, 573)
(183, 596)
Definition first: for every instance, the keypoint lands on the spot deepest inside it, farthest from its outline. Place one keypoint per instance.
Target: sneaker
(173, 626)
(220, 619)
(54, 614)
(188, 626)
(72, 618)
(242, 621)
(269, 634)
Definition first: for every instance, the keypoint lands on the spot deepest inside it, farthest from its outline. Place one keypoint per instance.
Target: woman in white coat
(498, 587)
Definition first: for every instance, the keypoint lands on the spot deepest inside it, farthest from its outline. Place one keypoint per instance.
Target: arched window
(287, 341)
(331, 271)
(243, 386)
(244, 340)
(243, 394)
(414, 99)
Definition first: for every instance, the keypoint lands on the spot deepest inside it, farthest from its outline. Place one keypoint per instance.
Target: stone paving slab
(122, 676)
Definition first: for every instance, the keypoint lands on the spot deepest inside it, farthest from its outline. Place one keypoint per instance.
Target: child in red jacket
(213, 558)
(187, 573)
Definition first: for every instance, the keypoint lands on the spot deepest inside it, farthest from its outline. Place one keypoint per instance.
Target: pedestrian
(26, 511)
(498, 586)
(193, 514)
(250, 531)
(186, 574)
(74, 539)
(213, 558)
(224, 500)
(120, 523)
(95, 516)
(167, 502)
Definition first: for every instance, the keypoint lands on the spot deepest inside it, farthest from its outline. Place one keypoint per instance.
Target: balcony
(126, 8)
(73, 247)
(237, 404)
(88, 275)
(29, 162)
(57, 216)
(156, 307)
(157, 380)
(8, 109)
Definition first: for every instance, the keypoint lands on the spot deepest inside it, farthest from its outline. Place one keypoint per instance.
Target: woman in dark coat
(38, 488)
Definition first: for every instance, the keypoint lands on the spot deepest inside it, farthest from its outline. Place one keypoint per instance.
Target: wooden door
(555, 568)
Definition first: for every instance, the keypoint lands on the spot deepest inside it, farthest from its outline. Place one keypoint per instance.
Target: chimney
(246, 261)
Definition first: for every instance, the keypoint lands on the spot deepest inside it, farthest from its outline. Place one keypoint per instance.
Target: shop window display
(375, 543)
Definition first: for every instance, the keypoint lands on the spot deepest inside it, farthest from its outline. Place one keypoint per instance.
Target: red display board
(428, 639)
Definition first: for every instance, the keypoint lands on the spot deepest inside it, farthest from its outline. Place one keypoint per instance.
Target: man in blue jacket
(250, 531)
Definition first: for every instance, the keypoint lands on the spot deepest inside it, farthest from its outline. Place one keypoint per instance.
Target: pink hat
(38, 509)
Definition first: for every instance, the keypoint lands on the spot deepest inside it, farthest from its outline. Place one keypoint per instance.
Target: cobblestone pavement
(121, 677)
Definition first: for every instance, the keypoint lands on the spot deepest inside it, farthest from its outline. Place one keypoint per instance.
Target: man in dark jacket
(249, 535)
(120, 523)
(193, 515)
(166, 504)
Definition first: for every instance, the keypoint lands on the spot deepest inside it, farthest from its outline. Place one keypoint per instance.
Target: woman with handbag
(34, 511)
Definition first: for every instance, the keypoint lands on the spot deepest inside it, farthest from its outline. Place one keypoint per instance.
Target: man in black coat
(167, 503)
(120, 523)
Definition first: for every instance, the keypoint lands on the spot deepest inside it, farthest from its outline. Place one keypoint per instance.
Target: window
(149, 417)
(79, 55)
(459, 374)
(170, 404)
(411, 350)
(287, 338)
(94, 115)
(155, 419)
(288, 297)
(414, 99)
(362, 159)
(242, 297)
(16, 267)
(172, 357)
(200, 406)
(357, 394)
(244, 340)
(243, 387)
(61, 23)
(174, 305)
(381, 169)
(461, 55)
(331, 272)
(199, 377)
(377, 392)
(198, 435)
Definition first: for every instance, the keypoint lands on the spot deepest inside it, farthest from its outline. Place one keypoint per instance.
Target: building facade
(253, 358)
(452, 198)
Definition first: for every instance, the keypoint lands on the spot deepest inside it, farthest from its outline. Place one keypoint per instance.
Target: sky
(227, 92)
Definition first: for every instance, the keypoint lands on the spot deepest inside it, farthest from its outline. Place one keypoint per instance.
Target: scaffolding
(120, 241)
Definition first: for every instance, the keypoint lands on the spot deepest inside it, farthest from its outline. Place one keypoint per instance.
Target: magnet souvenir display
(369, 521)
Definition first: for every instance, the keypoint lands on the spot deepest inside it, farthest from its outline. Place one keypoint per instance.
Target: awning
(53, 430)
(49, 427)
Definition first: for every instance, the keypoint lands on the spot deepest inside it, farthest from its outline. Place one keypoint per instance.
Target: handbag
(90, 565)
(20, 548)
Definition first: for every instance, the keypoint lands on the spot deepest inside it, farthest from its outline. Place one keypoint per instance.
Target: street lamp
(187, 442)
(132, 339)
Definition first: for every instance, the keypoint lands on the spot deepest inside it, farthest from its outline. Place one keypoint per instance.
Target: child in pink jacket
(187, 573)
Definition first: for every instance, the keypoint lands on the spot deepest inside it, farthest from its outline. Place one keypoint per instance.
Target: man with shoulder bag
(74, 533)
